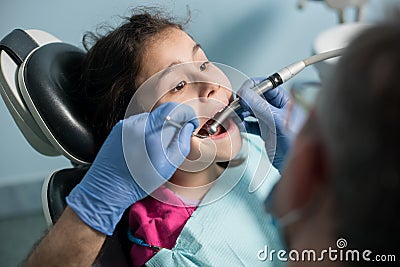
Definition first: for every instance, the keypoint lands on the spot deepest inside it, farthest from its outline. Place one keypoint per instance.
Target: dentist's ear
(306, 172)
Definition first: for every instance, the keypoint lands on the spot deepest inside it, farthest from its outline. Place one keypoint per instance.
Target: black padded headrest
(49, 74)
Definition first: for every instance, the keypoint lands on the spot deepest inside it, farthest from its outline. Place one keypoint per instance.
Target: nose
(208, 90)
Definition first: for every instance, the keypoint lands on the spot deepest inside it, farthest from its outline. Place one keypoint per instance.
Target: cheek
(229, 94)
(225, 94)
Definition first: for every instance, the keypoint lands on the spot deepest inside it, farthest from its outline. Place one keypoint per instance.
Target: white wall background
(257, 37)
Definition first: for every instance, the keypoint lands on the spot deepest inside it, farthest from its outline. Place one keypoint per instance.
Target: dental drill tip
(212, 129)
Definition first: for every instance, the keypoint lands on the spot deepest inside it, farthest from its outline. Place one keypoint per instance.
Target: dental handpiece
(272, 82)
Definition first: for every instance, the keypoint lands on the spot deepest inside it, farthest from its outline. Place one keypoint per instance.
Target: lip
(229, 126)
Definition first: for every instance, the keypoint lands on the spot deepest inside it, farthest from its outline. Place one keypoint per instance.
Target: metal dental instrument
(177, 125)
(271, 82)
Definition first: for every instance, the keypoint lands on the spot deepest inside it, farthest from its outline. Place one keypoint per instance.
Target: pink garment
(157, 223)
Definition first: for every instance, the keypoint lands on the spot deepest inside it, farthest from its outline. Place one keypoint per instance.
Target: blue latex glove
(139, 155)
(272, 113)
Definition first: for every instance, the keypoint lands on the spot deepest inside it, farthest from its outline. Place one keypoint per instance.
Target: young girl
(205, 214)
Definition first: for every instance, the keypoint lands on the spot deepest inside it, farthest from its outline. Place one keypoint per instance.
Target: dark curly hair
(112, 63)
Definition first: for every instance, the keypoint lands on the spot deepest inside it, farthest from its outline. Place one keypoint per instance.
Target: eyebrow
(196, 48)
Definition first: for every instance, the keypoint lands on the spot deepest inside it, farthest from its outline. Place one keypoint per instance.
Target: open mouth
(204, 130)
(222, 128)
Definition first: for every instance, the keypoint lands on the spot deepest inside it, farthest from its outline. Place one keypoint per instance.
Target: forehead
(171, 45)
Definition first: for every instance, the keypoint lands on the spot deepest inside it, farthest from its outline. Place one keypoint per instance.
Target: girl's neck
(194, 185)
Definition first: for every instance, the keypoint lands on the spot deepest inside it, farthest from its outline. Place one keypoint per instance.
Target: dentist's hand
(276, 126)
(139, 155)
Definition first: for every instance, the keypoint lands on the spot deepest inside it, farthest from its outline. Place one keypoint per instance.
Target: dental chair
(36, 72)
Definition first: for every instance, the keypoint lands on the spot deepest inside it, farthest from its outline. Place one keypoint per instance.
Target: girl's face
(190, 79)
